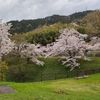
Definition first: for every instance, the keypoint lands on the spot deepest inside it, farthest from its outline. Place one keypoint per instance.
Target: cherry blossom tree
(6, 45)
(32, 51)
(29, 51)
(71, 46)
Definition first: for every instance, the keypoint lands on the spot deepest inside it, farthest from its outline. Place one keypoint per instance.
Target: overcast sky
(33, 9)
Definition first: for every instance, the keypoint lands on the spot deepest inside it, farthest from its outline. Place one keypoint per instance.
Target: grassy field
(63, 89)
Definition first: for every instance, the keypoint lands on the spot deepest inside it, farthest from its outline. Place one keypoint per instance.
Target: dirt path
(6, 89)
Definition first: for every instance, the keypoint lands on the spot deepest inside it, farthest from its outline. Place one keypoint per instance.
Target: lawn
(63, 89)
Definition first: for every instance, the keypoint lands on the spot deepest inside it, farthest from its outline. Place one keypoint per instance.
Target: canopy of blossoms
(71, 46)
(6, 45)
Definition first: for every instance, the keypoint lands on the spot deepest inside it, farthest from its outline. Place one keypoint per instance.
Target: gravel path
(6, 89)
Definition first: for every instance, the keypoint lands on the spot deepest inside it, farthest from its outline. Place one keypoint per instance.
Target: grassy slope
(82, 89)
(51, 66)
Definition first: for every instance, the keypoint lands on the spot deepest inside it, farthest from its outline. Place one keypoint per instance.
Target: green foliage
(42, 35)
(91, 22)
(3, 69)
(46, 34)
(81, 29)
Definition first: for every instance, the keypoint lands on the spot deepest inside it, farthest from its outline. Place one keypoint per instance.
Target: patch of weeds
(61, 92)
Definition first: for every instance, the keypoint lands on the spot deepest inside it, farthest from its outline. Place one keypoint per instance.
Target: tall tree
(6, 45)
(29, 51)
(71, 46)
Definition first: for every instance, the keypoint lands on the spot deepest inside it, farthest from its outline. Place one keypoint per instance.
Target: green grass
(94, 63)
(52, 65)
(63, 89)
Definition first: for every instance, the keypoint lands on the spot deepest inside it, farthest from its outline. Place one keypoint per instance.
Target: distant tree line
(24, 26)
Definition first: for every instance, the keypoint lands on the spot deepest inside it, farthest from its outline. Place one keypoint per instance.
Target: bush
(2, 71)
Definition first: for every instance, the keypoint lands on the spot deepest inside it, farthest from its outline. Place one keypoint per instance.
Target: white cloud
(32, 9)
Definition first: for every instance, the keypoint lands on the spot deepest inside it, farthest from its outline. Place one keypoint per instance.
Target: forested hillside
(28, 25)
(91, 22)
(49, 33)
(42, 35)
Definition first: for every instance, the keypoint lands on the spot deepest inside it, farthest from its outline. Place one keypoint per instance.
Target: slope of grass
(94, 63)
(32, 72)
(64, 89)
